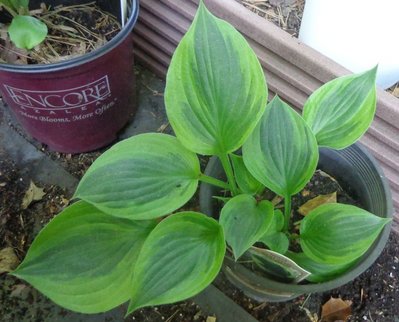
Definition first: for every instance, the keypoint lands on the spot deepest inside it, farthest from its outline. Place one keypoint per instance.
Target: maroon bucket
(80, 104)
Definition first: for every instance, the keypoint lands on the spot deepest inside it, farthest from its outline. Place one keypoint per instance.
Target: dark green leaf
(181, 257)
(282, 151)
(143, 177)
(27, 32)
(244, 221)
(245, 180)
(341, 111)
(215, 90)
(83, 259)
(278, 266)
(338, 234)
(320, 272)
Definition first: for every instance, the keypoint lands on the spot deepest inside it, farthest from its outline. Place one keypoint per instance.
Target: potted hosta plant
(122, 242)
(77, 98)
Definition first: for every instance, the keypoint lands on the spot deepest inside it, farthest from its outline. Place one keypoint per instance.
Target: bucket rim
(77, 61)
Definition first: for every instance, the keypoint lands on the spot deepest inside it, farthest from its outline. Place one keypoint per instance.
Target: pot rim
(77, 61)
(363, 263)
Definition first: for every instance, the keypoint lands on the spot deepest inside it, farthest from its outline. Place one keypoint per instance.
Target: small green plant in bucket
(25, 31)
(122, 242)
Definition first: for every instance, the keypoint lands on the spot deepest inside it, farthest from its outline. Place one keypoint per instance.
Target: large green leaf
(341, 111)
(181, 257)
(215, 89)
(27, 32)
(282, 151)
(84, 259)
(320, 272)
(338, 234)
(244, 221)
(245, 180)
(143, 177)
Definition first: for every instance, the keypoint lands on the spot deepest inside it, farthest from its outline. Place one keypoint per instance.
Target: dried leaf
(210, 319)
(163, 127)
(326, 175)
(312, 317)
(336, 309)
(276, 200)
(282, 3)
(395, 92)
(20, 291)
(318, 201)
(8, 260)
(32, 194)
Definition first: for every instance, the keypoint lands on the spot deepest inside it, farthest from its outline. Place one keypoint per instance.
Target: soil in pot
(72, 31)
(374, 294)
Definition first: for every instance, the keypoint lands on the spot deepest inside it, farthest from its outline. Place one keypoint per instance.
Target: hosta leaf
(277, 242)
(244, 221)
(245, 180)
(320, 272)
(341, 111)
(215, 90)
(143, 177)
(277, 223)
(282, 151)
(278, 266)
(338, 233)
(27, 32)
(83, 259)
(182, 256)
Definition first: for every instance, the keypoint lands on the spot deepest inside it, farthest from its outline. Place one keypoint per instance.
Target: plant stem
(287, 212)
(214, 181)
(224, 158)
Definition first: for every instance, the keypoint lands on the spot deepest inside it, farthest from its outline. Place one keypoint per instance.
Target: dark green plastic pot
(356, 170)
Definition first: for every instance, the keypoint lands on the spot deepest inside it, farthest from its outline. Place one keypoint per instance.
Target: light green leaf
(143, 177)
(215, 88)
(181, 257)
(277, 242)
(278, 266)
(83, 259)
(244, 221)
(27, 32)
(339, 234)
(320, 272)
(245, 180)
(341, 111)
(273, 237)
(282, 151)
(277, 223)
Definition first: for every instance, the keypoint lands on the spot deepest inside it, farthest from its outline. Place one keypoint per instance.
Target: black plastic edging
(213, 301)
